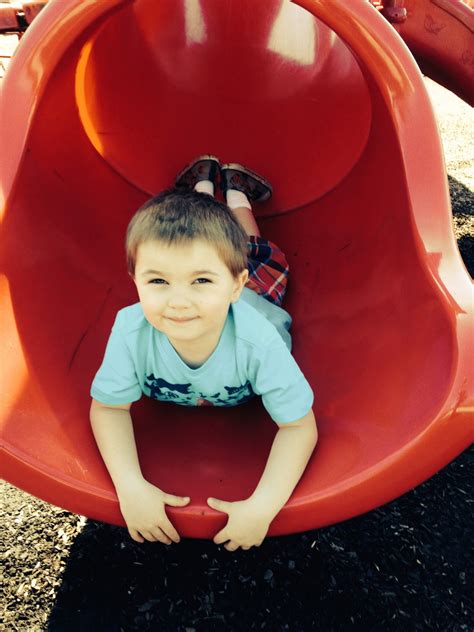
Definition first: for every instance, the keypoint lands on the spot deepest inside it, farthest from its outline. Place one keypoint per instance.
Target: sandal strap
(255, 187)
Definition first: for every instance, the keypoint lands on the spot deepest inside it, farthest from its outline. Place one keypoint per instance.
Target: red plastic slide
(102, 103)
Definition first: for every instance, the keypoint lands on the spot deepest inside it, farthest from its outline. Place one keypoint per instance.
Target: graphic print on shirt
(240, 394)
(165, 391)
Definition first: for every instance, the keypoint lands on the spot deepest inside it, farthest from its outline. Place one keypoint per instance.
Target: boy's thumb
(218, 505)
(176, 501)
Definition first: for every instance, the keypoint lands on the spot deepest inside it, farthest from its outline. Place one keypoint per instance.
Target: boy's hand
(143, 508)
(246, 527)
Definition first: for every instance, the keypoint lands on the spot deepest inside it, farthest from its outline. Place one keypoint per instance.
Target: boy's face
(185, 290)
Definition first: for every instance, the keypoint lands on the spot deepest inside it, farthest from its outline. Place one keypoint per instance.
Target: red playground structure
(440, 34)
(102, 103)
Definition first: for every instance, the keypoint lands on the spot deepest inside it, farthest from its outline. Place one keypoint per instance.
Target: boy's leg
(267, 264)
(242, 210)
(200, 174)
(205, 186)
(240, 185)
(246, 218)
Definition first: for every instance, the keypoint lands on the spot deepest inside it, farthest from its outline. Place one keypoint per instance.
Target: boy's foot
(255, 187)
(204, 167)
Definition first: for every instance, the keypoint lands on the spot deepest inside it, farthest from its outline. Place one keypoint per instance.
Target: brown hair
(177, 216)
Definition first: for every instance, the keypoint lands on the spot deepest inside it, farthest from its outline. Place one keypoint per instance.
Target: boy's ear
(240, 282)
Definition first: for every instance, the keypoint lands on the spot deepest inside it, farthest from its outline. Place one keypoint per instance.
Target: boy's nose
(179, 300)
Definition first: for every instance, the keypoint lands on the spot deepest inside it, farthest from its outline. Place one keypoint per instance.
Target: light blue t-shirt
(252, 357)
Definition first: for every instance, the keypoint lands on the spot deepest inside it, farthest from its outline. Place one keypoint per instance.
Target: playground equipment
(440, 34)
(16, 17)
(102, 103)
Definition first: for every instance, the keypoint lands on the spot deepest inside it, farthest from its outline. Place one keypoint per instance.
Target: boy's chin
(178, 333)
(184, 331)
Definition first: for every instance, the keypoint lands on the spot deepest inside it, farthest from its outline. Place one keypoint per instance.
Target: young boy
(205, 332)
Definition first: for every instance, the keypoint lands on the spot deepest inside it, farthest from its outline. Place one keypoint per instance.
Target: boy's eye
(200, 280)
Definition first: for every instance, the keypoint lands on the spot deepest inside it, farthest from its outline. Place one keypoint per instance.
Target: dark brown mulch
(462, 201)
(406, 566)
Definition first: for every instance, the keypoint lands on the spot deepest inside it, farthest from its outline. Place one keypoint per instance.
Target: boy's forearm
(289, 455)
(113, 432)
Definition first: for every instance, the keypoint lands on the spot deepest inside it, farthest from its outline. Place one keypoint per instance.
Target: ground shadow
(403, 565)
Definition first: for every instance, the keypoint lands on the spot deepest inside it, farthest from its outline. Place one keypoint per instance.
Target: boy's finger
(136, 536)
(219, 505)
(221, 537)
(160, 536)
(170, 531)
(176, 501)
(231, 546)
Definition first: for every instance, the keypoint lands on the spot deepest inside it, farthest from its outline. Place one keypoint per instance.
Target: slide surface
(101, 105)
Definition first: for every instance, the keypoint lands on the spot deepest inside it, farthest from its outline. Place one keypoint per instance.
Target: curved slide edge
(51, 33)
(412, 465)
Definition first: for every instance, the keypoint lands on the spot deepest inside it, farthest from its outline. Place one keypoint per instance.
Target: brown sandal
(205, 167)
(255, 187)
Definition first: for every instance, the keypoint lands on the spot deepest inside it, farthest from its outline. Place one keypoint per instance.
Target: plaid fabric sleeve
(268, 269)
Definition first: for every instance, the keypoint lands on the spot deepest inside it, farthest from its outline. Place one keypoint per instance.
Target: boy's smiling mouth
(181, 320)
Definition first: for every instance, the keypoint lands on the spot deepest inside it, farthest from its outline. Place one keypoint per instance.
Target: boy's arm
(142, 504)
(113, 431)
(290, 452)
(250, 519)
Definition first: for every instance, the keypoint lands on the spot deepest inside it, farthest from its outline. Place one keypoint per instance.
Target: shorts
(268, 269)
